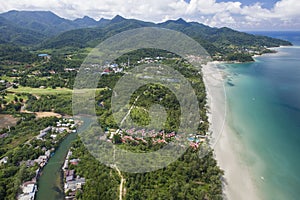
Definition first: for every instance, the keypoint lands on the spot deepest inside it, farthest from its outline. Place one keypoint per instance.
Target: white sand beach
(238, 183)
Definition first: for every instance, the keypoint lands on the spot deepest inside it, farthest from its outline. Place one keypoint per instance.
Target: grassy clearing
(11, 97)
(40, 91)
(7, 78)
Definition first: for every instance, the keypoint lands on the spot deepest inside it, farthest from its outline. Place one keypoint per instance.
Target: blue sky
(265, 3)
(237, 14)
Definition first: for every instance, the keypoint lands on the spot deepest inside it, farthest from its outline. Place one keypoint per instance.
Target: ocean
(264, 112)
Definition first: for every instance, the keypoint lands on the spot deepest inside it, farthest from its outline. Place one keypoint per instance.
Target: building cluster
(149, 60)
(113, 68)
(196, 140)
(29, 188)
(104, 69)
(7, 84)
(138, 136)
(72, 183)
(62, 125)
(133, 136)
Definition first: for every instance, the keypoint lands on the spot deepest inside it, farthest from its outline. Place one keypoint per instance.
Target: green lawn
(40, 91)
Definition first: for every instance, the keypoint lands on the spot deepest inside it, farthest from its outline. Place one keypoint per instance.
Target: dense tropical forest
(190, 177)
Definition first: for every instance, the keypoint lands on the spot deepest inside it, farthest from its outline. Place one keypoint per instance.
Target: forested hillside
(45, 30)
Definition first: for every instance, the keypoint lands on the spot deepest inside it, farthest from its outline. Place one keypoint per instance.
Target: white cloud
(284, 14)
(287, 9)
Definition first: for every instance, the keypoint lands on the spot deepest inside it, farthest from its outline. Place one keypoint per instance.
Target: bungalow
(69, 178)
(107, 70)
(44, 55)
(60, 130)
(69, 173)
(74, 161)
(42, 160)
(194, 145)
(53, 136)
(29, 163)
(170, 135)
(4, 135)
(71, 195)
(48, 153)
(28, 189)
(4, 160)
(74, 185)
(44, 132)
(161, 141)
(69, 154)
(65, 166)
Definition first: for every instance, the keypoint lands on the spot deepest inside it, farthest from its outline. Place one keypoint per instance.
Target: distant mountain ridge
(12, 33)
(51, 31)
(217, 41)
(46, 22)
(41, 24)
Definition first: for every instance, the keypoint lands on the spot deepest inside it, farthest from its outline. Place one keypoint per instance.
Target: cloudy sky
(239, 14)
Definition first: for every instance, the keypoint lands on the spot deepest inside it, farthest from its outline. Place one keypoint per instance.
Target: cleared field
(40, 91)
(47, 114)
(7, 120)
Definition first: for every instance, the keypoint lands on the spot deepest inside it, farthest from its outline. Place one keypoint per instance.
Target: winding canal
(50, 183)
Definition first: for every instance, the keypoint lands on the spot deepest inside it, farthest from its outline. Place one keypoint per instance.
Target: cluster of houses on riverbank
(62, 125)
(72, 183)
(29, 188)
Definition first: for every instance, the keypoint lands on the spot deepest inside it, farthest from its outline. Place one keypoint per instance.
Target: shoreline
(238, 182)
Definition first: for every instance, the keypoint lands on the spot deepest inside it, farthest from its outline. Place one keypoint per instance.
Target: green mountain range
(45, 30)
(32, 27)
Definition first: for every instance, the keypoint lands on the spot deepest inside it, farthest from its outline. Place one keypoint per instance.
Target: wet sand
(238, 183)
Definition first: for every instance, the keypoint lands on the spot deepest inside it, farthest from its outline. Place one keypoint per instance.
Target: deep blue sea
(264, 112)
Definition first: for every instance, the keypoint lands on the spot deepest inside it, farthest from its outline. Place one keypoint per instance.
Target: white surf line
(217, 138)
(225, 110)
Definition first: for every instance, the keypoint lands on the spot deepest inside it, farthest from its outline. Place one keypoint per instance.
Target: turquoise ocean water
(264, 112)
